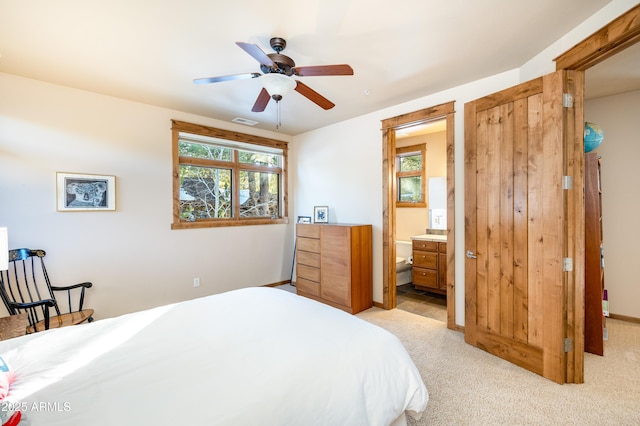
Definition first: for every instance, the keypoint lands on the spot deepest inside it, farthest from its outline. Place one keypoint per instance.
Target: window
(224, 178)
(410, 176)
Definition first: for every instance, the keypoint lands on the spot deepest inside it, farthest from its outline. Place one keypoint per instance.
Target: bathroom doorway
(393, 128)
(421, 206)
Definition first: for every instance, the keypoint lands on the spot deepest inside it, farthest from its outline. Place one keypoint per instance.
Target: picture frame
(321, 214)
(304, 219)
(85, 192)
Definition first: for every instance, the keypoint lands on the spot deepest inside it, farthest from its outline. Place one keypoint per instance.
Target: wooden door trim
(574, 238)
(389, 126)
(616, 36)
(417, 117)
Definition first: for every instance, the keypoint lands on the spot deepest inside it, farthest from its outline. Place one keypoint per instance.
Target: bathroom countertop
(430, 237)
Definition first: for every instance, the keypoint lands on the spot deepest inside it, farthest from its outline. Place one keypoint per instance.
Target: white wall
(620, 152)
(338, 166)
(131, 255)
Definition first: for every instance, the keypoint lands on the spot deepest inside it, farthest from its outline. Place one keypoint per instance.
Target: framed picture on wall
(304, 219)
(321, 214)
(85, 192)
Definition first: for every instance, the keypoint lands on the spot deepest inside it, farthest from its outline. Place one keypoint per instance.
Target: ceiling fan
(278, 71)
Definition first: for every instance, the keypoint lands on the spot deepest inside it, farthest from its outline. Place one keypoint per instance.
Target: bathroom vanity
(429, 271)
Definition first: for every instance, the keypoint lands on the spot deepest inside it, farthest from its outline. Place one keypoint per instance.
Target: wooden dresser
(429, 272)
(334, 265)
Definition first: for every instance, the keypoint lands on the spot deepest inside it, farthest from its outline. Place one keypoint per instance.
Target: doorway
(621, 34)
(421, 166)
(390, 128)
(612, 93)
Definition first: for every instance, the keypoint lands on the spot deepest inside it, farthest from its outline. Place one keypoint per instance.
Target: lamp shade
(4, 249)
(278, 85)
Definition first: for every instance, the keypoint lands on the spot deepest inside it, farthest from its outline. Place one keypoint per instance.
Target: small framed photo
(83, 192)
(304, 219)
(321, 214)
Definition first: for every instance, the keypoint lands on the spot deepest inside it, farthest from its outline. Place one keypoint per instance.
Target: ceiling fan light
(278, 84)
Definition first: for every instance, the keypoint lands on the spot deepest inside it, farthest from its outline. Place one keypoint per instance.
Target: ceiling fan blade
(262, 101)
(256, 53)
(318, 70)
(313, 96)
(226, 78)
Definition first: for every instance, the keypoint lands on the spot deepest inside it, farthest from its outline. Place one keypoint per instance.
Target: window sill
(410, 205)
(226, 223)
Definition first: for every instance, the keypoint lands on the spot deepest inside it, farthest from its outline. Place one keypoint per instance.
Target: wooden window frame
(235, 166)
(421, 148)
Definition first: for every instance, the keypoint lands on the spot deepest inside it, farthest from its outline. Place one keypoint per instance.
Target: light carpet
(468, 386)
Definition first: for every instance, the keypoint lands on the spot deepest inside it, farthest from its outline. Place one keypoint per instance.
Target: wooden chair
(13, 326)
(25, 288)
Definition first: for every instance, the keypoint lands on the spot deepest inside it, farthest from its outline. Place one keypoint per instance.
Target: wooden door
(519, 143)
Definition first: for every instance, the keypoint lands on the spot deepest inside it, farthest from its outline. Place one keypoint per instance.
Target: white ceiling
(151, 50)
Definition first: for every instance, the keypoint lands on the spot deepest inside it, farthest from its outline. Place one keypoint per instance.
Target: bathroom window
(410, 176)
(224, 178)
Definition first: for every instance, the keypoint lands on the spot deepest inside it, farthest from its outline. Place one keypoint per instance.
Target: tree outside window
(410, 176)
(227, 182)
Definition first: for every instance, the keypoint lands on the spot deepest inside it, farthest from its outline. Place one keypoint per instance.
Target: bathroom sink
(430, 237)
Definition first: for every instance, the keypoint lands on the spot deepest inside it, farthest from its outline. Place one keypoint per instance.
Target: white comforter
(256, 356)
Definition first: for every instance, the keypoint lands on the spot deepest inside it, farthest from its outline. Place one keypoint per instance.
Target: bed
(255, 356)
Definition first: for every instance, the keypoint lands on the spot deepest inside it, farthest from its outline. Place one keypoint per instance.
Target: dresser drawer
(308, 272)
(425, 277)
(309, 231)
(425, 259)
(308, 244)
(425, 245)
(308, 287)
(308, 258)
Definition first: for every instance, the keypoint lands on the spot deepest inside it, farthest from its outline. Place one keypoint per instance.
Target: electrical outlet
(196, 282)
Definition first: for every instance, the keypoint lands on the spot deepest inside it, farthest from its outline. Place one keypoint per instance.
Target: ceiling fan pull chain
(278, 114)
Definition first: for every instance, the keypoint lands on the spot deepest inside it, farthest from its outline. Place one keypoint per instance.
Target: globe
(593, 135)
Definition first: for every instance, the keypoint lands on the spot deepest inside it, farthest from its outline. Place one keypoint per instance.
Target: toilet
(404, 260)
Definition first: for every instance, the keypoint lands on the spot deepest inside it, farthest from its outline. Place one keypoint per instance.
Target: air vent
(244, 121)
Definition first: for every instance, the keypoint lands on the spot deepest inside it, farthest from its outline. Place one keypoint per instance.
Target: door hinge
(567, 264)
(568, 345)
(567, 100)
(567, 182)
